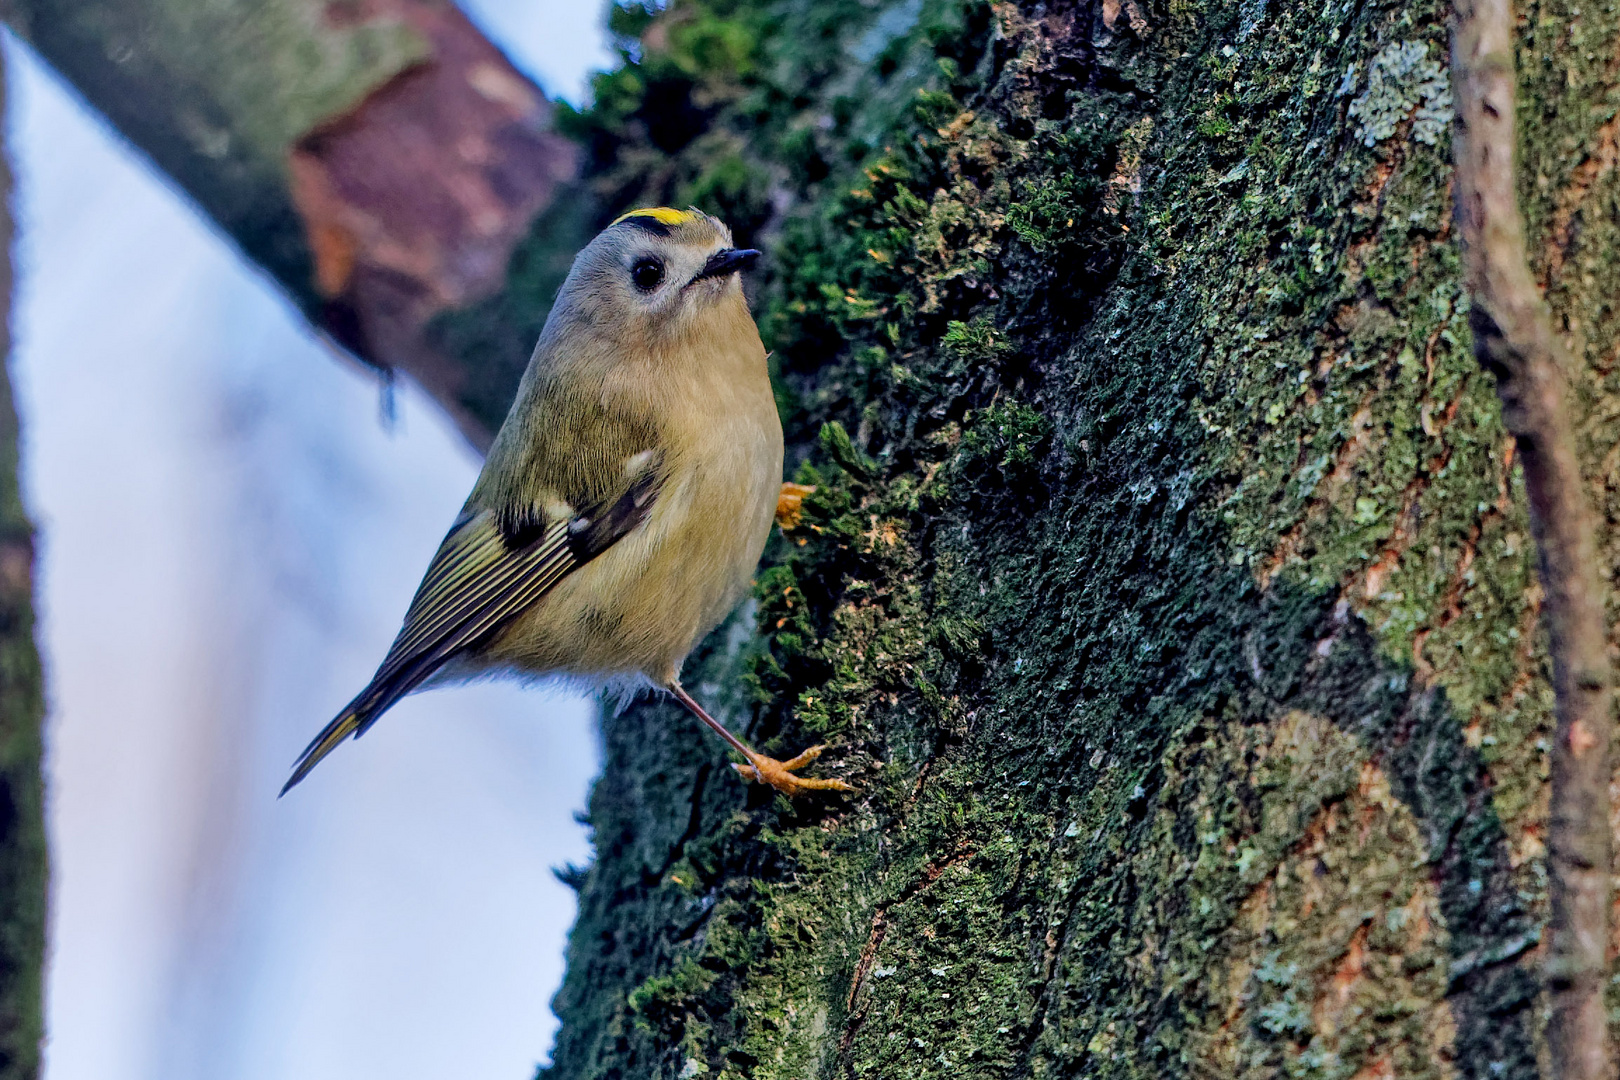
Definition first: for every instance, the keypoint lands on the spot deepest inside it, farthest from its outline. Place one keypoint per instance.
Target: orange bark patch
(1344, 980)
(1381, 1068)
(790, 504)
(1334, 934)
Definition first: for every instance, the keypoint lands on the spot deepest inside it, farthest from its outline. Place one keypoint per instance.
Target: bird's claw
(779, 774)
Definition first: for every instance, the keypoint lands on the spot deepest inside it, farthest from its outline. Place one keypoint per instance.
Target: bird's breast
(645, 602)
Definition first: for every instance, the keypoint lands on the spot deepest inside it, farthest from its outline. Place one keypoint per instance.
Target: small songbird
(627, 496)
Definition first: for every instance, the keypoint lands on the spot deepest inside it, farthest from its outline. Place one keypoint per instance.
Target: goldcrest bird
(626, 498)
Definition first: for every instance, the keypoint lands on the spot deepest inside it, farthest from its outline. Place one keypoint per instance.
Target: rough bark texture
(380, 158)
(23, 868)
(1169, 590)
(1513, 339)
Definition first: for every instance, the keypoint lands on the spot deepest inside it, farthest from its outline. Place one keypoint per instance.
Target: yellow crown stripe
(664, 215)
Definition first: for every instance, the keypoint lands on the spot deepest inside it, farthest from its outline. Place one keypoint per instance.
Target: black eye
(647, 273)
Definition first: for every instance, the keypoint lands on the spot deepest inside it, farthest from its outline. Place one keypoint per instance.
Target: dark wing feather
(478, 580)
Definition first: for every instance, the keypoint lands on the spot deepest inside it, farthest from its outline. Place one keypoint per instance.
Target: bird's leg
(778, 774)
(790, 503)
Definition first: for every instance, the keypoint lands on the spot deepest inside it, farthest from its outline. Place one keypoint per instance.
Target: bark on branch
(1513, 338)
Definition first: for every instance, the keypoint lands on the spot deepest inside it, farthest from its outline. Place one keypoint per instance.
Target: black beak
(727, 261)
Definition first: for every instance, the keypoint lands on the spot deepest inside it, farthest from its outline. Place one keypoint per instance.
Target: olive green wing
(486, 571)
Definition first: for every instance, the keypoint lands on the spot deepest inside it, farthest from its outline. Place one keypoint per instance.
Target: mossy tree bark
(1169, 590)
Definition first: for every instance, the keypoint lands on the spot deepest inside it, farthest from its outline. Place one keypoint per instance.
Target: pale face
(664, 266)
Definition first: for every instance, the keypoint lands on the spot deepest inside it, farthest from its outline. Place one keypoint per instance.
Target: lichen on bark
(1167, 591)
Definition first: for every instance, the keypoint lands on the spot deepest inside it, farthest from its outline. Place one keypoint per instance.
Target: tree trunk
(23, 868)
(1168, 591)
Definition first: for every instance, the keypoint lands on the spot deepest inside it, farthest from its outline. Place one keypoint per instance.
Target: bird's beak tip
(727, 261)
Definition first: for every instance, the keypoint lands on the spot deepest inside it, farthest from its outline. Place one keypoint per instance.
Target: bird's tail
(391, 683)
(347, 723)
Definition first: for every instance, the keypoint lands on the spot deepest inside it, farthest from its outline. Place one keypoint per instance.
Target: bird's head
(656, 270)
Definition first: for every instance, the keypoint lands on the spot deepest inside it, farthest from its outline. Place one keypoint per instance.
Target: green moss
(662, 1001)
(1006, 435)
(978, 342)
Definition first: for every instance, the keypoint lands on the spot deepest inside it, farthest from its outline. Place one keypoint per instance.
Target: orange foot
(790, 503)
(779, 774)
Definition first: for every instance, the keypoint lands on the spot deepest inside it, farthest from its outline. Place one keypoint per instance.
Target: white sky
(229, 537)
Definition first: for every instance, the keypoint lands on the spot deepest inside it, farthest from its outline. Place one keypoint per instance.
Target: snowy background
(229, 535)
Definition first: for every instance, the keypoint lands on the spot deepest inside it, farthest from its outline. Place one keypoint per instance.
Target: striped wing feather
(476, 582)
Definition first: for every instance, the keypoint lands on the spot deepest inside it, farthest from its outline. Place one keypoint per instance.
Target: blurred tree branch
(23, 867)
(379, 158)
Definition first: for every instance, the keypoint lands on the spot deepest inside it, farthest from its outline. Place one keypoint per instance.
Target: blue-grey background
(229, 534)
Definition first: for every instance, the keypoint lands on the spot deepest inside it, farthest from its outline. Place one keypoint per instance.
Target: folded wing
(484, 574)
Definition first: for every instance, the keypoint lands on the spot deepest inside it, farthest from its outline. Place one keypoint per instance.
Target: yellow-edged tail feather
(347, 723)
(476, 582)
